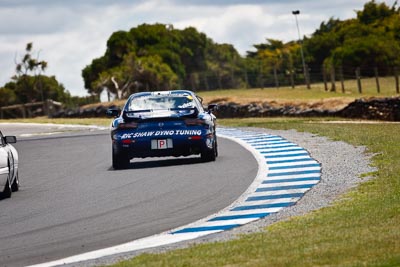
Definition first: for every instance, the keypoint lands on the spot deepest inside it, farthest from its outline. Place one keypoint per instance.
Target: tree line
(29, 84)
(159, 57)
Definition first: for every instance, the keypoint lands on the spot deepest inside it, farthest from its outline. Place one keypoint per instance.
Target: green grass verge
(301, 93)
(360, 229)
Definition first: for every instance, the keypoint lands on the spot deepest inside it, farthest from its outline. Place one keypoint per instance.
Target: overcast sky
(69, 34)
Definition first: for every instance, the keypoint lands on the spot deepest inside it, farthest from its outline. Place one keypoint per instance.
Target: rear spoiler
(180, 112)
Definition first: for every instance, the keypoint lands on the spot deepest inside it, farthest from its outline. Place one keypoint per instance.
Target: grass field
(316, 96)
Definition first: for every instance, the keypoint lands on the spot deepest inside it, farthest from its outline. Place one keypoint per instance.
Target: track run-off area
(73, 207)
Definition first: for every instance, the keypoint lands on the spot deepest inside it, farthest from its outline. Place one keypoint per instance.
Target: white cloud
(70, 34)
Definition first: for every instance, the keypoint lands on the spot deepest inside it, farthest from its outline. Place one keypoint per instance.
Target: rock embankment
(387, 109)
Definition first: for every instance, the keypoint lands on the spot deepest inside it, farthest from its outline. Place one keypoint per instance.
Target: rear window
(161, 102)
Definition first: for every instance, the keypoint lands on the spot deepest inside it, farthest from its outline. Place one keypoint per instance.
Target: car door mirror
(212, 107)
(10, 139)
(113, 112)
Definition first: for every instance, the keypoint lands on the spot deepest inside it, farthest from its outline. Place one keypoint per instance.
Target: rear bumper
(142, 148)
(185, 141)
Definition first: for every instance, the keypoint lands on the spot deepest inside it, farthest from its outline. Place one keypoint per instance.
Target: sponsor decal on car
(161, 133)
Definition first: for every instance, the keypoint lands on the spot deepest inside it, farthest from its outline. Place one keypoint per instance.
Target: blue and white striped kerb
(287, 171)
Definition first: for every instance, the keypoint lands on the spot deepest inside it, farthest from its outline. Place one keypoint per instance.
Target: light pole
(295, 13)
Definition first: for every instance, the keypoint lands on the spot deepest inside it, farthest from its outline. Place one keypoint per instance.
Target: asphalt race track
(71, 201)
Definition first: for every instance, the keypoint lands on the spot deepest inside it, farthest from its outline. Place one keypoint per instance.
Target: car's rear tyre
(216, 147)
(210, 155)
(6, 192)
(15, 184)
(119, 160)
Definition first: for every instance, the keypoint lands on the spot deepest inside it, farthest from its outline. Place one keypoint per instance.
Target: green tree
(29, 64)
(119, 44)
(180, 56)
(137, 74)
(45, 87)
(375, 13)
(223, 63)
(368, 41)
(29, 84)
(152, 74)
(91, 74)
(323, 41)
(276, 62)
(7, 97)
(29, 67)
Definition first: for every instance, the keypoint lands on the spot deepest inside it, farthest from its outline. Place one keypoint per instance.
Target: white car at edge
(9, 181)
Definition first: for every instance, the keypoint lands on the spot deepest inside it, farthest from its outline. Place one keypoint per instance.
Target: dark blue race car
(165, 123)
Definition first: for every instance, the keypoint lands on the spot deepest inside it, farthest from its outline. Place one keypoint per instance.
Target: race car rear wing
(150, 113)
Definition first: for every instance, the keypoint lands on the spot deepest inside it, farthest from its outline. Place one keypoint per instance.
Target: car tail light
(194, 122)
(128, 125)
(195, 137)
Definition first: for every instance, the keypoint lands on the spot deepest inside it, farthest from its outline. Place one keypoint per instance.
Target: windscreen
(161, 102)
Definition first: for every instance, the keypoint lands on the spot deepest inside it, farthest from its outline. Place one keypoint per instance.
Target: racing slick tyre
(15, 184)
(210, 155)
(119, 160)
(7, 191)
(216, 147)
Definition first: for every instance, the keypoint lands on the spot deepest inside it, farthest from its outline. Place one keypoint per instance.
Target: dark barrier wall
(387, 109)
